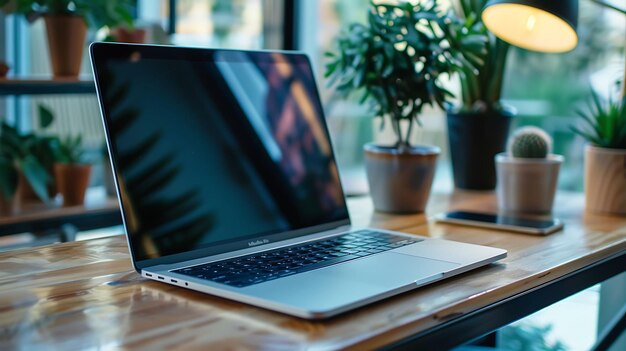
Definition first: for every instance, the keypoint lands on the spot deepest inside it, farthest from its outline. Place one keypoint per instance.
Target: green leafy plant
(481, 79)
(606, 123)
(530, 142)
(70, 150)
(28, 153)
(395, 61)
(97, 13)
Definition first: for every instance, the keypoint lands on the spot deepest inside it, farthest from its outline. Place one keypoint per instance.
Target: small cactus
(530, 142)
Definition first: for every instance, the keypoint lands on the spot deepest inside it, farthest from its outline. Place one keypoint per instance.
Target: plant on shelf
(71, 171)
(96, 13)
(527, 173)
(70, 150)
(478, 128)
(605, 155)
(66, 25)
(26, 162)
(395, 62)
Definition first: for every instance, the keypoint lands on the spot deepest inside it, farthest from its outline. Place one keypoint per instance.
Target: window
(241, 24)
(546, 89)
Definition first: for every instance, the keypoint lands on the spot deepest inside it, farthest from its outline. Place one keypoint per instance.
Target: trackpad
(335, 286)
(391, 269)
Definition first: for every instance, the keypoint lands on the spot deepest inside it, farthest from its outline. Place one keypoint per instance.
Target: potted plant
(66, 25)
(71, 171)
(527, 173)
(395, 61)
(479, 127)
(4, 69)
(125, 34)
(605, 156)
(26, 161)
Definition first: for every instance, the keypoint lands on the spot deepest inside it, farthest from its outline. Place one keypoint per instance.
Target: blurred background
(545, 89)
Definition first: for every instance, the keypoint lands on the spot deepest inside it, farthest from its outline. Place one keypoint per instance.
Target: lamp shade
(539, 25)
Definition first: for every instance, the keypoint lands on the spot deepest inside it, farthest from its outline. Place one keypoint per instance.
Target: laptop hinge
(251, 250)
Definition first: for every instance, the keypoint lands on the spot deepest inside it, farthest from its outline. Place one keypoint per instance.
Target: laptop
(228, 184)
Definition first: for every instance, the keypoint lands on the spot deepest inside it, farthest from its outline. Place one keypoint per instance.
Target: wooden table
(85, 294)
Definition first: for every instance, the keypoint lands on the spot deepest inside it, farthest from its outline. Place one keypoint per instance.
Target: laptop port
(161, 278)
(174, 280)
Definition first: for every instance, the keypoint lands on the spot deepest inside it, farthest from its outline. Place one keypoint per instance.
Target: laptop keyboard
(268, 265)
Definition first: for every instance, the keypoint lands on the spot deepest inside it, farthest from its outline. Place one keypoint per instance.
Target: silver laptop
(228, 184)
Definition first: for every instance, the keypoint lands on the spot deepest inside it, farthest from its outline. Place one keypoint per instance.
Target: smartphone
(493, 221)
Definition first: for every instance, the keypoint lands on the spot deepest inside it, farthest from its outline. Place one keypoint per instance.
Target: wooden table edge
(410, 336)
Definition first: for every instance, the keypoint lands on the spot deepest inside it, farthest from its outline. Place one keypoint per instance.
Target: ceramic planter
(605, 180)
(400, 181)
(24, 192)
(6, 206)
(137, 36)
(527, 185)
(475, 138)
(66, 40)
(72, 181)
(4, 69)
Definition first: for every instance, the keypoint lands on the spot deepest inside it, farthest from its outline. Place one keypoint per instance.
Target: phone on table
(502, 222)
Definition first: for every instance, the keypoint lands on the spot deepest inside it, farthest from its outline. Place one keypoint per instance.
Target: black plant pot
(475, 138)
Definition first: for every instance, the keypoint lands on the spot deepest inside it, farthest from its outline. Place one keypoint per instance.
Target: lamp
(539, 25)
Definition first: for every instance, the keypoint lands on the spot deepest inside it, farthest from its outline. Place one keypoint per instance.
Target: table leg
(68, 233)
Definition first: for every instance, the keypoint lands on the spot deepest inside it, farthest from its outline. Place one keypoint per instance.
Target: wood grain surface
(86, 295)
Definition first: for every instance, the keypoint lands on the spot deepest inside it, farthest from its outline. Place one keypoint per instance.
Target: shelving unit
(39, 86)
(40, 218)
(36, 217)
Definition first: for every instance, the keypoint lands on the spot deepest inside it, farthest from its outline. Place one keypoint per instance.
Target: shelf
(98, 211)
(41, 86)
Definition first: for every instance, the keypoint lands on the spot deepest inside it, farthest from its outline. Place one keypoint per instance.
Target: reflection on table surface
(85, 294)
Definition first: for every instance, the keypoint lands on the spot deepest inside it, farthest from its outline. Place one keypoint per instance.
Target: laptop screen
(215, 150)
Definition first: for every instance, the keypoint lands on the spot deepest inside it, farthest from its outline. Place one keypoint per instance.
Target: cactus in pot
(530, 142)
(527, 173)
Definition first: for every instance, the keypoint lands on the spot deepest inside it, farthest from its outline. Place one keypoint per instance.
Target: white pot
(527, 185)
(605, 180)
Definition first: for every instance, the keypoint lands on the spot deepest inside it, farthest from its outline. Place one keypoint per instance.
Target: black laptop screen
(215, 149)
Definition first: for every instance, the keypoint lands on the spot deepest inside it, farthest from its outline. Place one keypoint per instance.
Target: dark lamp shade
(539, 25)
